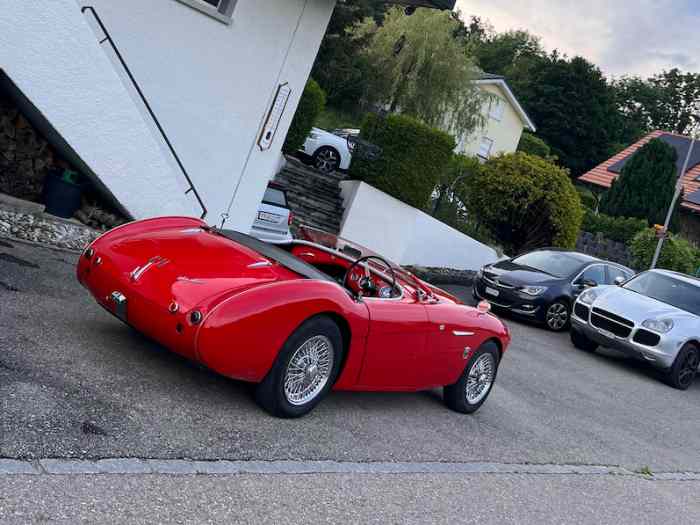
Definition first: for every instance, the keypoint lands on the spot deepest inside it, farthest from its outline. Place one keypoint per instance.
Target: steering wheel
(365, 285)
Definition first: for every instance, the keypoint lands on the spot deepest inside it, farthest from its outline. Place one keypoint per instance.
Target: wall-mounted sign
(272, 122)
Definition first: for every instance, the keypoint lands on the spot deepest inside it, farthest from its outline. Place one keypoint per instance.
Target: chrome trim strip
(459, 333)
(261, 264)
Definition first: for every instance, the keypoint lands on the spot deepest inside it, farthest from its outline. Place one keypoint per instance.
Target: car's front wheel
(582, 342)
(326, 160)
(557, 316)
(684, 368)
(305, 370)
(474, 385)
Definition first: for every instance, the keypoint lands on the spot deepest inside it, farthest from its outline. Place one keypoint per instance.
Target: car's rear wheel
(582, 342)
(326, 159)
(685, 367)
(474, 385)
(557, 316)
(304, 371)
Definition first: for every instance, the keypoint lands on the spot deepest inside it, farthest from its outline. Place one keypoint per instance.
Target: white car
(329, 151)
(274, 217)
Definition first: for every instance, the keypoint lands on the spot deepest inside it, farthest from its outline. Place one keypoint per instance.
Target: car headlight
(589, 296)
(480, 273)
(533, 290)
(658, 325)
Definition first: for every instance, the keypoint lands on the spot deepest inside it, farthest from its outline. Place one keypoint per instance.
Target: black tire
(271, 394)
(685, 368)
(326, 159)
(582, 342)
(557, 316)
(455, 396)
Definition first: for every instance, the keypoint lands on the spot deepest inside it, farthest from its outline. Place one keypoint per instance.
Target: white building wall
(405, 234)
(211, 85)
(52, 56)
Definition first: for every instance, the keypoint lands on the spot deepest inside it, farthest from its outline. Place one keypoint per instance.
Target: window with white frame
(220, 9)
(485, 147)
(498, 106)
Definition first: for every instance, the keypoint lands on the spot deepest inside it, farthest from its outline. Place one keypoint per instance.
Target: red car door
(454, 333)
(397, 338)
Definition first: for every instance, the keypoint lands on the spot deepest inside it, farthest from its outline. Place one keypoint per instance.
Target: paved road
(75, 383)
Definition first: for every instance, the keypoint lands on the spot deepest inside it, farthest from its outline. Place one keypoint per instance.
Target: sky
(622, 37)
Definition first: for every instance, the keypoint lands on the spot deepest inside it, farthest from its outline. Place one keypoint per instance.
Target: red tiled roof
(600, 176)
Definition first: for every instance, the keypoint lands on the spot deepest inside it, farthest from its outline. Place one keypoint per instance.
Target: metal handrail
(108, 38)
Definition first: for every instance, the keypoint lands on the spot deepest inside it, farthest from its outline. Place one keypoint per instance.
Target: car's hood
(636, 307)
(510, 273)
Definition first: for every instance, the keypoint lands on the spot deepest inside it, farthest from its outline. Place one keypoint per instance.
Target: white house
(222, 77)
(505, 121)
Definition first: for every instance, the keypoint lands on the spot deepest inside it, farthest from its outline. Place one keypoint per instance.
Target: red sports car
(298, 319)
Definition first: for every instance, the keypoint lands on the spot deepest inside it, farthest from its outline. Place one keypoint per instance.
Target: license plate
(492, 292)
(269, 217)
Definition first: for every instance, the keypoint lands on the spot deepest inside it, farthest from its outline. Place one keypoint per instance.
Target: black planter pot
(62, 198)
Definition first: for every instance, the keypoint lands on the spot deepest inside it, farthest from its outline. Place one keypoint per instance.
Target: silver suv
(654, 316)
(274, 217)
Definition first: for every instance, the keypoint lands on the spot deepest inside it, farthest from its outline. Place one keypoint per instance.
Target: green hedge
(620, 229)
(526, 202)
(677, 253)
(312, 103)
(533, 145)
(413, 159)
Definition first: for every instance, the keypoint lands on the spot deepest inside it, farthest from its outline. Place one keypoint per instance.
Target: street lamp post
(671, 208)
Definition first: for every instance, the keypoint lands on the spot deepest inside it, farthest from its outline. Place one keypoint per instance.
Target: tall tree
(339, 68)
(646, 184)
(422, 68)
(665, 101)
(572, 105)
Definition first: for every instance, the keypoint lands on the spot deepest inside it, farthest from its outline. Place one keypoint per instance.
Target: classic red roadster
(297, 319)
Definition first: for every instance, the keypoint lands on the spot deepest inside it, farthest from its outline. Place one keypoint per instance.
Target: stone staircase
(314, 198)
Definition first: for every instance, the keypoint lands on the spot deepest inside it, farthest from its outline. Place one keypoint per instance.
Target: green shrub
(620, 229)
(526, 202)
(588, 198)
(677, 253)
(312, 103)
(533, 145)
(645, 186)
(414, 158)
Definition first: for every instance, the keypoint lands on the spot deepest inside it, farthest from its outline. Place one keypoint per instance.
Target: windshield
(275, 196)
(667, 289)
(557, 264)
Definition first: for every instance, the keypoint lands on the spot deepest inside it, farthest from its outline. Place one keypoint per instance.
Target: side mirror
(619, 280)
(585, 283)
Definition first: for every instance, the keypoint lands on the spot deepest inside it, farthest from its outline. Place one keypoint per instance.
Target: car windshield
(557, 264)
(667, 289)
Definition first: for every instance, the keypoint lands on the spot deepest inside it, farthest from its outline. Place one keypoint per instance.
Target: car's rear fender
(241, 336)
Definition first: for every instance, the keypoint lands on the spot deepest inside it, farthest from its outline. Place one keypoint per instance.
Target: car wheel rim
(689, 368)
(326, 161)
(557, 316)
(480, 379)
(309, 370)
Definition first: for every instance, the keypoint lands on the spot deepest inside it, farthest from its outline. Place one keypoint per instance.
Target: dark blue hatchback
(543, 285)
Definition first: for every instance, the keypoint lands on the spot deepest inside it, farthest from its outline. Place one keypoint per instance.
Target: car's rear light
(291, 219)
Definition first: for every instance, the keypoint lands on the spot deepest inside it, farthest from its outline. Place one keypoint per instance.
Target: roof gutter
(432, 4)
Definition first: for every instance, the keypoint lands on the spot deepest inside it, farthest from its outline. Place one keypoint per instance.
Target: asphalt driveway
(76, 383)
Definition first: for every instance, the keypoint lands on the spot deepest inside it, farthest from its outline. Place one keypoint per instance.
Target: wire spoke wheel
(309, 370)
(480, 379)
(557, 316)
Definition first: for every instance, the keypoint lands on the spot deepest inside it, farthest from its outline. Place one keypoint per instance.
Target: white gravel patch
(44, 229)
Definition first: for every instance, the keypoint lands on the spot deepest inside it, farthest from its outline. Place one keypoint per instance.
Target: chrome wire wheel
(308, 370)
(689, 368)
(327, 160)
(480, 379)
(557, 316)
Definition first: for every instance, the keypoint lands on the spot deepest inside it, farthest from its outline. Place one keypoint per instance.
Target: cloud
(622, 37)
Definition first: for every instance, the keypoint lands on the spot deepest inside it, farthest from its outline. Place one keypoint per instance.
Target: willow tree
(421, 67)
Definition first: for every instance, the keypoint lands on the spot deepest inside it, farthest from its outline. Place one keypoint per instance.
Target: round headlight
(589, 296)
